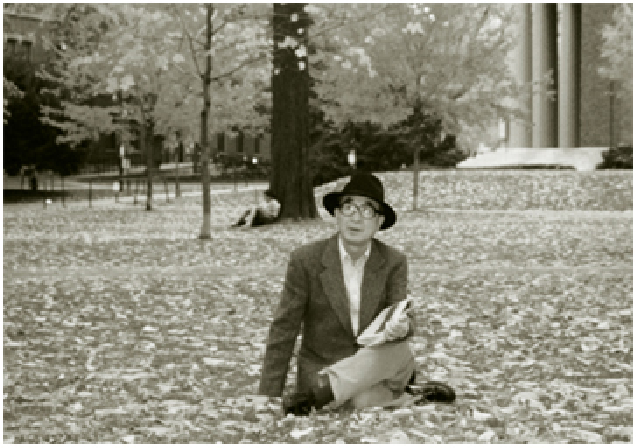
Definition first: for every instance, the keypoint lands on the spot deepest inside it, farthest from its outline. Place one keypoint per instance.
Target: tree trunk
(417, 112)
(177, 186)
(144, 146)
(177, 189)
(290, 179)
(205, 150)
(416, 174)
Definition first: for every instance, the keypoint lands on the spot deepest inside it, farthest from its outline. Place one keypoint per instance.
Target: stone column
(570, 77)
(520, 132)
(544, 61)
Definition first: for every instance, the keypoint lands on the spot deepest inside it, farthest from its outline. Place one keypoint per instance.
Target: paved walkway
(160, 194)
(188, 189)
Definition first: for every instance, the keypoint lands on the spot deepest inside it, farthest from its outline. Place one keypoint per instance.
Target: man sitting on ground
(334, 289)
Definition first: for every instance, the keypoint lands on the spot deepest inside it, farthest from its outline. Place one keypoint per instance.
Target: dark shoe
(319, 395)
(321, 390)
(298, 404)
(432, 391)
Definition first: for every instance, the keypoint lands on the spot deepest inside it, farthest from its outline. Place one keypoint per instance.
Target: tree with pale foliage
(617, 52)
(9, 91)
(618, 47)
(226, 49)
(239, 74)
(114, 53)
(75, 71)
(440, 61)
(155, 55)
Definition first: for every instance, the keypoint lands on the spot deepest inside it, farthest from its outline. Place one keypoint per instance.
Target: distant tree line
(28, 141)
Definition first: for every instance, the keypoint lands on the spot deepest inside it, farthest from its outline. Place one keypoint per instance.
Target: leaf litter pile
(121, 326)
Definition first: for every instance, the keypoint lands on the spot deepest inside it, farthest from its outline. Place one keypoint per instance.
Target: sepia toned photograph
(317, 223)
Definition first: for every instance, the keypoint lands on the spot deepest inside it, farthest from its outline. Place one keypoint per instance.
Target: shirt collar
(345, 255)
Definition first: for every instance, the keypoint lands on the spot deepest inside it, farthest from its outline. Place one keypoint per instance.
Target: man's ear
(382, 218)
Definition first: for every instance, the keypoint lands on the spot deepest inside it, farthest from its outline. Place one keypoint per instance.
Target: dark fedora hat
(362, 184)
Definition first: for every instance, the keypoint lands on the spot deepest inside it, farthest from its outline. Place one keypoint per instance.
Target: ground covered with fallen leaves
(121, 326)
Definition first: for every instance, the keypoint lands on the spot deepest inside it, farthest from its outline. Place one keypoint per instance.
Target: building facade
(242, 146)
(586, 110)
(22, 36)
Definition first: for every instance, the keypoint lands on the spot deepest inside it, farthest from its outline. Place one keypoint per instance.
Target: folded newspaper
(375, 333)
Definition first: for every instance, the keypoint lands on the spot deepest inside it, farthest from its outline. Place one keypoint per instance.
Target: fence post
(90, 193)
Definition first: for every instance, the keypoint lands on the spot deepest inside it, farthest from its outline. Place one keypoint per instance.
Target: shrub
(620, 157)
(380, 149)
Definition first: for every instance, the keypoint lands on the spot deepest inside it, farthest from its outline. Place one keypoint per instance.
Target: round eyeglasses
(365, 210)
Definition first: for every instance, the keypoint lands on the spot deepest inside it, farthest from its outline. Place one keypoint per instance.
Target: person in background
(264, 213)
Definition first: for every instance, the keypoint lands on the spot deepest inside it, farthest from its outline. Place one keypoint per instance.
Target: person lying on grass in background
(334, 289)
(264, 213)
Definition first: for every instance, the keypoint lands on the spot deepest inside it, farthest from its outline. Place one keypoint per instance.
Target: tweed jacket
(314, 295)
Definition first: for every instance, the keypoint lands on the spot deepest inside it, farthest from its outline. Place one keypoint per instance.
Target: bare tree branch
(235, 69)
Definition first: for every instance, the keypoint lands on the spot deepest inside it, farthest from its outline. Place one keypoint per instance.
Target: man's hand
(397, 329)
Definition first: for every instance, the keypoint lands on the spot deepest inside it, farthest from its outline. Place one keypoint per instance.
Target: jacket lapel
(333, 283)
(372, 286)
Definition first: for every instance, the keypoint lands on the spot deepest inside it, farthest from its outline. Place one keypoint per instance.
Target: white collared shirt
(353, 273)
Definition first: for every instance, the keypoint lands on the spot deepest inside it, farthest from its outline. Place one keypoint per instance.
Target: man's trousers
(374, 376)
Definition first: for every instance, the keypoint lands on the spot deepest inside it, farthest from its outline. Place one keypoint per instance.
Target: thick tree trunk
(205, 149)
(290, 179)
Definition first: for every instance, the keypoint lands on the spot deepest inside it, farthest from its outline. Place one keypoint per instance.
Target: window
(11, 45)
(239, 142)
(220, 138)
(26, 50)
(18, 47)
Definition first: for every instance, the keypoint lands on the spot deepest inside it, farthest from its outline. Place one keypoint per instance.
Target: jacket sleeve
(284, 329)
(397, 288)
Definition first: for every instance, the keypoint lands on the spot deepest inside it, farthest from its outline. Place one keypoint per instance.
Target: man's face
(353, 226)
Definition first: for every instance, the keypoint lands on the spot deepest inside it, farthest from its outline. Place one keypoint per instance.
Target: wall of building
(242, 145)
(22, 36)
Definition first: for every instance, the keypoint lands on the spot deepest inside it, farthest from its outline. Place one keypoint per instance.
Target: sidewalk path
(160, 194)
(13, 183)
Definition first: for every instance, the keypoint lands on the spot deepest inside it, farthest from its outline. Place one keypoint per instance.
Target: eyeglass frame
(359, 210)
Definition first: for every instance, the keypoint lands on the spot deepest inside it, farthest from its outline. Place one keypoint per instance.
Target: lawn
(121, 326)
